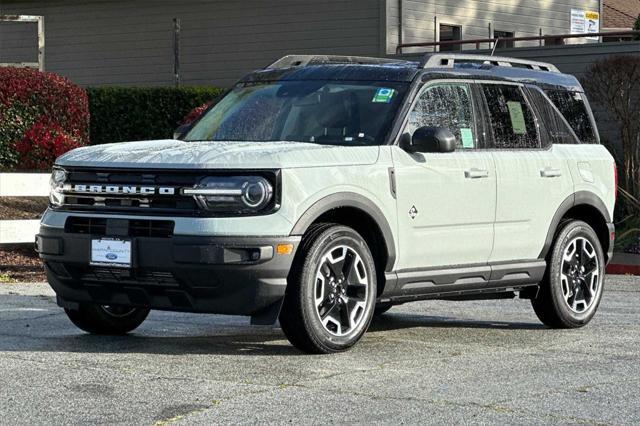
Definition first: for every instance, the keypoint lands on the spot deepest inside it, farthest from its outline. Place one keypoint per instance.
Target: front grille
(134, 228)
(86, 225)
(126, 276)
(171, 202)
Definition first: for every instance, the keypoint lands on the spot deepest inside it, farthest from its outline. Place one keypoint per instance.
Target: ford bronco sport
(323, 190)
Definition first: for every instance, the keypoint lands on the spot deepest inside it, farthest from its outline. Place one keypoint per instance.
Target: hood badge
(413, 212)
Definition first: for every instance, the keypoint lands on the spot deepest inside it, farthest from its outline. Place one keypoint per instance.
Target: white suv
(324, 190)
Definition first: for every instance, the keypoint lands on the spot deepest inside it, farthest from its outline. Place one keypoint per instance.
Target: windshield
(323, 112)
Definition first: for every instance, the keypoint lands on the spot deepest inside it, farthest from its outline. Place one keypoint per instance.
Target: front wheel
(331, 292)
(572, 289)
(108, 320)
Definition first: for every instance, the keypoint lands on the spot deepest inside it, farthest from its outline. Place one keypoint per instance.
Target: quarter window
(449, 106)
(573, 108)
(512, 121)
(557, 130)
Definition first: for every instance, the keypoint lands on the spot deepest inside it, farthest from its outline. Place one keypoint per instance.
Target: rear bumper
(223, 275)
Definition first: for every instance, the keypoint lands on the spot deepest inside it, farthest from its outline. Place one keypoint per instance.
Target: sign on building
(585, 21)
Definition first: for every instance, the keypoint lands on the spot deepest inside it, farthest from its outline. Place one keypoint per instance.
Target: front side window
(573, 107)
(313, 111)
(512, 121)
(449, 106)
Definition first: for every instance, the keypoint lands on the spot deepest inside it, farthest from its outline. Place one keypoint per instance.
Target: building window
(450, 33)
(503, 44)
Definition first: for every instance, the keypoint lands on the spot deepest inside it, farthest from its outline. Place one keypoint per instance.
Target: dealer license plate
(111, 252)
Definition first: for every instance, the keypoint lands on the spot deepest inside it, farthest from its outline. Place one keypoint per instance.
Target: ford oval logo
(111, 256)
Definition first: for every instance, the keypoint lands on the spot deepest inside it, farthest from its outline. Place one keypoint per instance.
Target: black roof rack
(304, 60)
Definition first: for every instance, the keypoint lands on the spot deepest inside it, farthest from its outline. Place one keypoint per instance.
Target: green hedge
(120, 114)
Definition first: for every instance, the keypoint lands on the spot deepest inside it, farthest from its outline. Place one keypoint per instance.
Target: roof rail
(442, 60)
(304, 60)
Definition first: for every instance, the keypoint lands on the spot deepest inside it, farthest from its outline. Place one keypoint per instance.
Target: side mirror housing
(429, 139)
(181, 131)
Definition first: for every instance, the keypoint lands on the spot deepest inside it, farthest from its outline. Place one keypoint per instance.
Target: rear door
(533, 177)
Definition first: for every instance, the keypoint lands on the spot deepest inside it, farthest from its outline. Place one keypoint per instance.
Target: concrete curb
(624, 264)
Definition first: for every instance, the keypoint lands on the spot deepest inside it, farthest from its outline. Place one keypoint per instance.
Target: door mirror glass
(430, 139)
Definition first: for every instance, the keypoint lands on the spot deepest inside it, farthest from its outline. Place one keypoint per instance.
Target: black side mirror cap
(181, 131)
(429, 139)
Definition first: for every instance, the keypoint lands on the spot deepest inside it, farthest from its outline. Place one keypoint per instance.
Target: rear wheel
(331, 292)
(572, 289)
(105, 319)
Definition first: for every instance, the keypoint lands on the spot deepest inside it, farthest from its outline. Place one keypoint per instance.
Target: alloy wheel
(341, 290)
(580, 275)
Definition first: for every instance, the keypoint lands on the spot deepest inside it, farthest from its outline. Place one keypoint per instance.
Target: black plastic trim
(577, 199)
(414, 284)
(349, 199)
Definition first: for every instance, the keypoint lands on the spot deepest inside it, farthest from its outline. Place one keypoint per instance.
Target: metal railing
(495, 42)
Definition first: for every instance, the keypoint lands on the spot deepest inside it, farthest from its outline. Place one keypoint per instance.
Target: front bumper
(222, 275)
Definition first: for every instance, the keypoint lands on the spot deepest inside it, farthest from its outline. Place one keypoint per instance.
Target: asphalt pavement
(431, 362)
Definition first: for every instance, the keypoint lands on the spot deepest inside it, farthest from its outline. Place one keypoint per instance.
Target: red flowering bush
(42, 144)
(42, 115)
(195, 114)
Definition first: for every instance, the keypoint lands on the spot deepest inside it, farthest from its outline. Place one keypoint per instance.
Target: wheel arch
(585, 206)
(363, 215)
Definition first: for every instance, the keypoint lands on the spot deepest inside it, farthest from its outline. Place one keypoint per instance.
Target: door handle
(476, 173)
(550, 172)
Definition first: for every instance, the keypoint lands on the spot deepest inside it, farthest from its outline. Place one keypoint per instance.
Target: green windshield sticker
(383, 95)
(467, 138)
(517, 118)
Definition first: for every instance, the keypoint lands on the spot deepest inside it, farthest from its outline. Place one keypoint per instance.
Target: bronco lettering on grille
(119, 190)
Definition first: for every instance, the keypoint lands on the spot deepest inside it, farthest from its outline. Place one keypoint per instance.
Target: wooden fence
(21, 185)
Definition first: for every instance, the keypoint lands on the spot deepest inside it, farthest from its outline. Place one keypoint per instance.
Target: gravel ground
(430, 362)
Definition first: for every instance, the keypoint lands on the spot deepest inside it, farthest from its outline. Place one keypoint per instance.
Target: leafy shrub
(121, 114)
(195, 113)
(37, 105)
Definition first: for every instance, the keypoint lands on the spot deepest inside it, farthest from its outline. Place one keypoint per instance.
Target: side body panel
(531, 186)
(445, 215)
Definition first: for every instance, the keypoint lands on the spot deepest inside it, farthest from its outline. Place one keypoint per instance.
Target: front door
(446, 201)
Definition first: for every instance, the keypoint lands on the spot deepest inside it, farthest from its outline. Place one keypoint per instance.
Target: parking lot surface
(430, 362)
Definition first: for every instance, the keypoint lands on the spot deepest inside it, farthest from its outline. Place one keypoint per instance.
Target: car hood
(174, 154)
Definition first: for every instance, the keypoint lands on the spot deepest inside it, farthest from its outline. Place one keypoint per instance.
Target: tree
(636, 27)
(615, 83)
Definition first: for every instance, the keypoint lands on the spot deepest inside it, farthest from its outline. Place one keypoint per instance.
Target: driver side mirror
(429, 139)
(181, 131)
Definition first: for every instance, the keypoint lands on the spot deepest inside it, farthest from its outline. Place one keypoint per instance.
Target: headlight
(58, 178)
(233, 194)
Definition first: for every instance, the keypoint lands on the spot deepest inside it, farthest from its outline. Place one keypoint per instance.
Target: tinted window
(574, 109)
(448, 106)
(512, 121)
(556, 129)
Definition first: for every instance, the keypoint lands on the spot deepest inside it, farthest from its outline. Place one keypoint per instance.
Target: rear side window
(512, 121)
(555, 128)
(449, 106)
(574, 109)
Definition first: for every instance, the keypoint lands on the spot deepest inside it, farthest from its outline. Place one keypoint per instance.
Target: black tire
(308, 293)
(106, 320)
(556, 294)
(381, 309)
